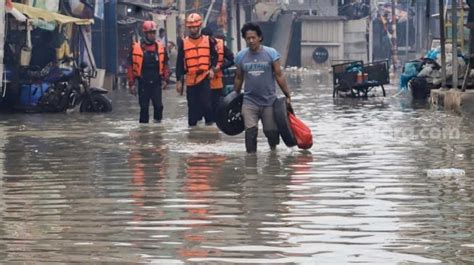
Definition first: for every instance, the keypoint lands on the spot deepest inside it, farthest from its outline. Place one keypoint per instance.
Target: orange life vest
(135, 71)
(197, 57)
(217, 82)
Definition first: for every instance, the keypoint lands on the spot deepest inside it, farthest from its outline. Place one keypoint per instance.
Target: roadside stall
(45, 66)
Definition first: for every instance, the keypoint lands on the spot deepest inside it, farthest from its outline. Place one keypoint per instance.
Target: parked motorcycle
(69, 87)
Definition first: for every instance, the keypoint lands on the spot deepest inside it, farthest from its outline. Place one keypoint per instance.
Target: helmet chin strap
(147, 41)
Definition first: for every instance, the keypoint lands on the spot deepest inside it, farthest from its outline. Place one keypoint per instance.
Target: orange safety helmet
(194, 20)
(149, 26)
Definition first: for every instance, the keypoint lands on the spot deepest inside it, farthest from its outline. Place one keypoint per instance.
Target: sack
(302, 133)
(25, 56)
(25, 53)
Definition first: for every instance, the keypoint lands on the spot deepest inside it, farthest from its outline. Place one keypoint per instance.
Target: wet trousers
(216, 95)
(252, 114)
(199, 103)
(150, 91)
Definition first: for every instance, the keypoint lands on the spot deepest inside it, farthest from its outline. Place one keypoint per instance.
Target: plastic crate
(30, 94)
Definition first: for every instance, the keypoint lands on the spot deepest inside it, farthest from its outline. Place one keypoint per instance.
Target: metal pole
(442, 43)
(373, 5)
(208, 12)
(181, 18)
(2, 42)
(407, 33)
(394, 36)
(470, 21)
(230, 16)
(454, 19)
(239, 45)
(428, 23)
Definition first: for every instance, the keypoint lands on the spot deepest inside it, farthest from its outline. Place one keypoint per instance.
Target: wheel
(365, 91)
(280, 112)
(96, 103)
(383, 90)
(229, 114)
(344, 87)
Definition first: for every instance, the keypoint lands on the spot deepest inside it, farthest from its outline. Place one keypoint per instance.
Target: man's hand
(132, 89)
(211, 74)
(179, 87)
(164, 85)
(288, 104)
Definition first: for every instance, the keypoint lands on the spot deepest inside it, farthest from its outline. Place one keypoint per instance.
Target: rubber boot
(251, 140)
(273, 138)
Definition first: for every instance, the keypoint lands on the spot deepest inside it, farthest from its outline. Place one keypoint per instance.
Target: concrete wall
(355, 39)
(321, 32)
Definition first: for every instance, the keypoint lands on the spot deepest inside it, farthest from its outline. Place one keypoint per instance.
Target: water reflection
(103, 188)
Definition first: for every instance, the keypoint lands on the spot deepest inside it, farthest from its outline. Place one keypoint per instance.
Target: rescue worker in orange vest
(225, 59)
(148, 66)
(197, 59)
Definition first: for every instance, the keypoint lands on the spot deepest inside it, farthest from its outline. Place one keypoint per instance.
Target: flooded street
(102, 188)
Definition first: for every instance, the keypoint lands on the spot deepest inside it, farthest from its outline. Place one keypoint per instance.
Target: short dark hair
(220, 36)
(161, 30)
(250, 26)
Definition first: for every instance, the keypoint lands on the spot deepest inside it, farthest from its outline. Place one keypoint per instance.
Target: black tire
(96, 103)
(280, 112)
(229, 114)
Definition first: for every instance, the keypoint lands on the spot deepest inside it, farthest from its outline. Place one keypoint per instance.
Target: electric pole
(394, 36)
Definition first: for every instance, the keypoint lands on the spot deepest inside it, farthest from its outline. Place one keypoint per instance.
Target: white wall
(355, 42)
(321, 33)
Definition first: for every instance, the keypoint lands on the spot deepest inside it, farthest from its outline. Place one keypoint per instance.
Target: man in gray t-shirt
(259, 67)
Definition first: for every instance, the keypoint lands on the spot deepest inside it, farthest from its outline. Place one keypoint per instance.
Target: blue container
(30, 94)
(9, 74)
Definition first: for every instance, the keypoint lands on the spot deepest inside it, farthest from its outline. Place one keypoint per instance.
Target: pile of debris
(420, 76)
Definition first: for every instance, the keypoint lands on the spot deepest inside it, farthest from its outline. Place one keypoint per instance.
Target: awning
(47, 16)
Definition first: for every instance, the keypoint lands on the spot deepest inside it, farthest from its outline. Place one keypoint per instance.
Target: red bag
(302, 133)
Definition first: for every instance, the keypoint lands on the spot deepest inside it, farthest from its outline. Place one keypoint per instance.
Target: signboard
(320, 55)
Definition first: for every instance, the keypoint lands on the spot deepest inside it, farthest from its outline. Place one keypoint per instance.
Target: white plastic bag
(445, 172)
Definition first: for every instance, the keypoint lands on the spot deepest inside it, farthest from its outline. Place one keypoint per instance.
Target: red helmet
(194, 20)
(149, 26)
